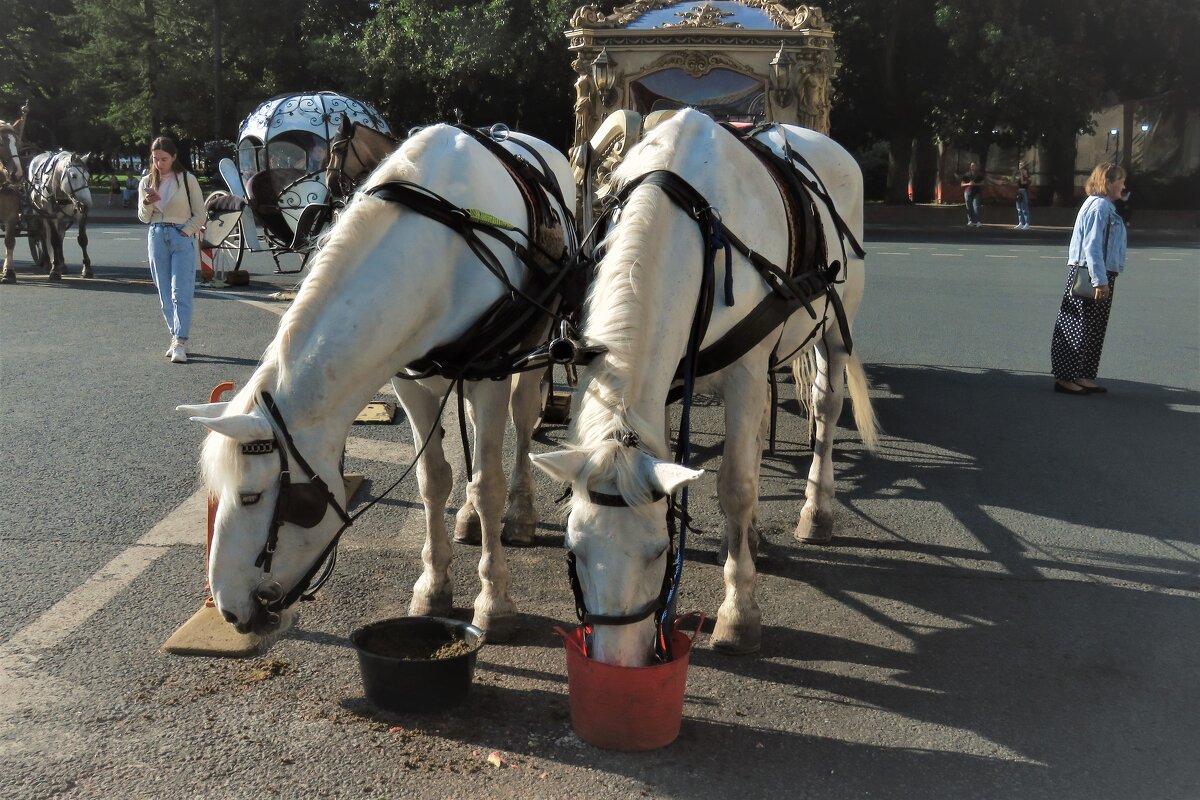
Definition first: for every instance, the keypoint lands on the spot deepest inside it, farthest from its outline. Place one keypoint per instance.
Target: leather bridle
(659, 607)
(301, 504)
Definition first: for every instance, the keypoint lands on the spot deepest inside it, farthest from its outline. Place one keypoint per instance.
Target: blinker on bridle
(302, 504)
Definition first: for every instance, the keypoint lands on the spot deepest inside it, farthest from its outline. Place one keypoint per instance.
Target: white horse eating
(641, 309)
(388, 286)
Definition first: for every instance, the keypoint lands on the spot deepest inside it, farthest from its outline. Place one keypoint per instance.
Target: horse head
(275, 521)
(73, 182)
(10, 160)
(335, 180)
(354, 153)
(619, 540)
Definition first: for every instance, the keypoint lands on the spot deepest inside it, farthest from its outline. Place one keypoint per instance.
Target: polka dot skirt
(1079, 332)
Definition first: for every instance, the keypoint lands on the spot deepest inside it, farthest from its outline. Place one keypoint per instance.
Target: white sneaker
(178, 353)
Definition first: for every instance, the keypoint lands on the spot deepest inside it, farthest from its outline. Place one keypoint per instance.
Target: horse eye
(250, 499)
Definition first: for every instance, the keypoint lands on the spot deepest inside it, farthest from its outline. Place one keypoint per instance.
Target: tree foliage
(103, 74)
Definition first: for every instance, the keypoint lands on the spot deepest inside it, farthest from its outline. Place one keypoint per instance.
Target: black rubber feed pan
(417, 663)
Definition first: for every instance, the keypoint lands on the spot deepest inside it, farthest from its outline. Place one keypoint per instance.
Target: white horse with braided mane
(387, 285)
(640, 309)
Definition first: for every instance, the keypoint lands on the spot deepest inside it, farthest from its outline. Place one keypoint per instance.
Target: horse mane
(616, 317)
(221, 460)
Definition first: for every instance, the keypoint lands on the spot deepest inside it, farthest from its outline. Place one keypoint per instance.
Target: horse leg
(8, 274)
(828, 392)
(495, 613)
(54, 250)
(83, 243)
(466, 522)
(432, 594)
(739, 619)
(520, 521)
(758, 540)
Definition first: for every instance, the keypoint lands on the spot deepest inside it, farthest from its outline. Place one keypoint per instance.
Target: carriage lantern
(603, 73)
(781, 77)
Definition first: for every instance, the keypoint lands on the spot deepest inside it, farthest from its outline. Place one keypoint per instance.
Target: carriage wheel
(227, 256)
(36, 248)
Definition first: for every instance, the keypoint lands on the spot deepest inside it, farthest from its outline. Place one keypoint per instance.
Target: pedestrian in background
(972, 184)
(1023, 181)
(1098, 245)
(171, 201)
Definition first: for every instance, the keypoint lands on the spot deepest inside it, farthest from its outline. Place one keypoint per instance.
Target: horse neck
(646, 330)
(358, 323)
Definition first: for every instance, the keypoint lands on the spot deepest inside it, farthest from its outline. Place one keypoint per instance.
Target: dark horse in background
(59, 194)
(12, 176)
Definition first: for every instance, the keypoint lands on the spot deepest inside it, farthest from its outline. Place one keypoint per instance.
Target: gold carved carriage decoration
(738, 60)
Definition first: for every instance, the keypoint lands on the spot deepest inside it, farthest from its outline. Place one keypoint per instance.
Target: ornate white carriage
(278, 199)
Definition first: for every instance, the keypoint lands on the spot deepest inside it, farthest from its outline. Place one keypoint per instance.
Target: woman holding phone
(171, 202)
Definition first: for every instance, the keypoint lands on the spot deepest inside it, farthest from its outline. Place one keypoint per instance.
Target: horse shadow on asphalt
(1069, 660)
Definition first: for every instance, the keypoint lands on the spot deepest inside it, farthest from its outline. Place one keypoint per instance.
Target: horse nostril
(230, 617)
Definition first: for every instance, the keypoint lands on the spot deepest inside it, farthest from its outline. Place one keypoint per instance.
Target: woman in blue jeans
(1022, 180)
(171, 202)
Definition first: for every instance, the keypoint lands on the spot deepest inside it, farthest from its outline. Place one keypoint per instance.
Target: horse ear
(346, 127)
(561, 465)
(239, 427)
(668, 476)
(206, 410)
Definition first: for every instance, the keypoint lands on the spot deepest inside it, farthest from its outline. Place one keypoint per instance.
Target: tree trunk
(152, 68)
(925, 170)
(900, 150)
(1060, 155)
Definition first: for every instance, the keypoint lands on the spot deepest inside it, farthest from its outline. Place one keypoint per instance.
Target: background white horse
(640, 308)
(387, 286)
(59, 193)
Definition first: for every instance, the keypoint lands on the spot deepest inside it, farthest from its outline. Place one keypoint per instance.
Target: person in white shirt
(170, 200)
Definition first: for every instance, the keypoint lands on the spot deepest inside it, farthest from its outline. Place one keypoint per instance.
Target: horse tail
(804, 369)
(860, 398)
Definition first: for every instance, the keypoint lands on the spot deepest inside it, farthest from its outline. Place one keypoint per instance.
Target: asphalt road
(1009, 608)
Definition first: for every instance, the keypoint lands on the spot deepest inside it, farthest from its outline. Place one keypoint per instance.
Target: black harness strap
(558, 280)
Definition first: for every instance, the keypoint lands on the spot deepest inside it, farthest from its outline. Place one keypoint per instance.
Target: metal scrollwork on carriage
(279, 199)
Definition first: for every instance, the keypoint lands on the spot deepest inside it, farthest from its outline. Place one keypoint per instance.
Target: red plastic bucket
(626, 708)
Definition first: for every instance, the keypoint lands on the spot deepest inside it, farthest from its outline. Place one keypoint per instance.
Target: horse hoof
(814, 528)
(737, 639)
(468, 530)
(8, 277)
(54, 276)
(87, 273)
(498, 628)
(438, 604)
(517, 534)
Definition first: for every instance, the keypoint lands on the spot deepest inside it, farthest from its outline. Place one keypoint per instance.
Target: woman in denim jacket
(171, 201)
(1097, 245)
